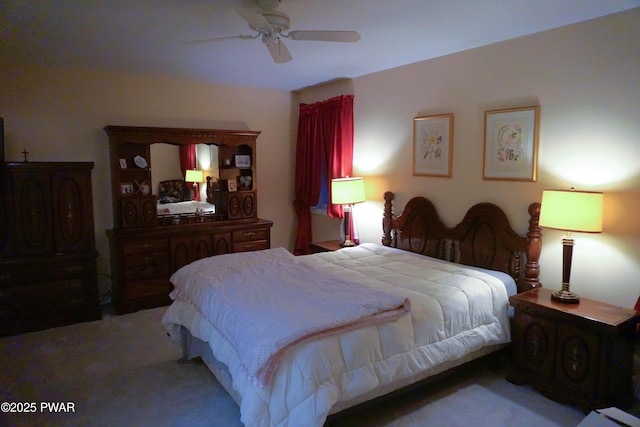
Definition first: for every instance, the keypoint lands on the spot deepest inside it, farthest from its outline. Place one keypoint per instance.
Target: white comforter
(265, 302)
(188, 207)
(455, 311)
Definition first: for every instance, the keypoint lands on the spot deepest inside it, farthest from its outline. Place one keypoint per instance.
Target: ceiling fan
(272, 25)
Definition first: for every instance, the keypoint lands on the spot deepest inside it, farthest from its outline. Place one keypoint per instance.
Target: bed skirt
(193, 347)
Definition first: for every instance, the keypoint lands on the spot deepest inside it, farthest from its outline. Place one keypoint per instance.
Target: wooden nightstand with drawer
(575, 353)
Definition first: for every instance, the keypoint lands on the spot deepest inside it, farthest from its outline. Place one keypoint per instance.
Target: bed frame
(484, 238)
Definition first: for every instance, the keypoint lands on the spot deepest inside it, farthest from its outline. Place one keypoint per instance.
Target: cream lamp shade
(347, 191)
(570, 210)
(194, 176)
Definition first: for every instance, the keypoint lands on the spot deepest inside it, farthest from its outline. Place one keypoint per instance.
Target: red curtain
(325, 131)
(188, 162)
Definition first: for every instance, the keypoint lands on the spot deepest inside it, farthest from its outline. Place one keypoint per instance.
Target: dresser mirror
(148, 185)
(165, 167)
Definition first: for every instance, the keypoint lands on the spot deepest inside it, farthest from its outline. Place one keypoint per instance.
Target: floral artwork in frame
(433, 145)
(511, 144)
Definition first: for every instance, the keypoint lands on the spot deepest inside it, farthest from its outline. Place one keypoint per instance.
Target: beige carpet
(123, 371)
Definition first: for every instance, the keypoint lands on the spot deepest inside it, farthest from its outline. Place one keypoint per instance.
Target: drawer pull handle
(250, 246)
(250, 234)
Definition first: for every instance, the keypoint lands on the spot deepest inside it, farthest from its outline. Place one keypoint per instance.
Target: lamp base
(348, 243)
(565, 296)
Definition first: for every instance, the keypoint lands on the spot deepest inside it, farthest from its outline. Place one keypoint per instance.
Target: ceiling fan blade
(279, 52)
(255, 20)
(215, 39)
(326, 36)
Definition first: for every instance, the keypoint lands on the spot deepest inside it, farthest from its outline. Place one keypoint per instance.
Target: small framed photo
(126, 188)
(433, 145)
(511, 144)
(243, 160)
(232, 185)
(123, 163)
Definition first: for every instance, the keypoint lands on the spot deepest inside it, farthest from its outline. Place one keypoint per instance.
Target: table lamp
(570, 210)
(346, 192)
(196, 177)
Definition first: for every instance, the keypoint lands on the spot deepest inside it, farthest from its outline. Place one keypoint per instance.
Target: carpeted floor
(123, 371)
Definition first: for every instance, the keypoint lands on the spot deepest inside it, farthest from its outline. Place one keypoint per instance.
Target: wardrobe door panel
(72, 215)
(31, 202)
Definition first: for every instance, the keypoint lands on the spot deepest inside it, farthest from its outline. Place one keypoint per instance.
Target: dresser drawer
(158, 260)
(250, 246)
(145, 246)
(147, 271)
(136, 289)
(250, 235)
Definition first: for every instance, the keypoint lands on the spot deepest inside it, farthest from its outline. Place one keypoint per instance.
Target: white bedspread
(265, 302)
(188, 207)
(455, 312)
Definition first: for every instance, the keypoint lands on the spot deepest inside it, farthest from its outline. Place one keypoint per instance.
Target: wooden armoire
(47, 246)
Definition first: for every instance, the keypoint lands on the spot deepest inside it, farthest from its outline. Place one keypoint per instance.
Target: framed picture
(433, 145)
(243, 160)
(123, 163)
(126, 188)
(232, 185)
(511, 144)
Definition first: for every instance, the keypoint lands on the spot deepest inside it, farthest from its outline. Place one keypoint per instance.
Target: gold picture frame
(511, 144)
(433, 145)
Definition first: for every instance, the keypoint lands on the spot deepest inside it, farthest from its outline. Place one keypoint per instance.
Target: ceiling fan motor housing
(279, 21)
(269, 4)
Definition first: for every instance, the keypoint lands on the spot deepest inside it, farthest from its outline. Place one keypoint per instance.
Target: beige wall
(586, 79)
(58, 115)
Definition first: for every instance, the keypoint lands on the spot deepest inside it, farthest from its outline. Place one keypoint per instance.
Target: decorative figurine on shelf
(143, 188)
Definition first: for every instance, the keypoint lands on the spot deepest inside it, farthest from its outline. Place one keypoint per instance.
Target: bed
(453, 286)
(174, 198)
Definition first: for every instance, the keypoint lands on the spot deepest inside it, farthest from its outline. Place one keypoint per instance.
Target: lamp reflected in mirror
(195, 177)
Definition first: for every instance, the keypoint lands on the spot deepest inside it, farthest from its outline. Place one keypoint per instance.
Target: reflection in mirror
(165, 166)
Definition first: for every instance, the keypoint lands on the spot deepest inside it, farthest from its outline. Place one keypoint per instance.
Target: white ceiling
(146, 36)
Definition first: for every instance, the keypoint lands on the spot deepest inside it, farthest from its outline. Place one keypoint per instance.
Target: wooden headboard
(173, 191)
(484, 238)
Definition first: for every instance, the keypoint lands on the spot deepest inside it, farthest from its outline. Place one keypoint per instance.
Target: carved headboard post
(531, 278)
(209, 191)
(387, 218)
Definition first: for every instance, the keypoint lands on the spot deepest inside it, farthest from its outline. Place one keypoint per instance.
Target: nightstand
(326, 246)
(574, 353)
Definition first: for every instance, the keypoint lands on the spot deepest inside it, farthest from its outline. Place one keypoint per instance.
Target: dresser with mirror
(164, 220)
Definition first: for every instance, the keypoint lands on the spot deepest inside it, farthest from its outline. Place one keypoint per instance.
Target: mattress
(457, 313)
